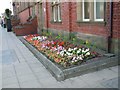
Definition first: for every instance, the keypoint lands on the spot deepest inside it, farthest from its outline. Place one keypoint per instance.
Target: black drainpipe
(111, 28)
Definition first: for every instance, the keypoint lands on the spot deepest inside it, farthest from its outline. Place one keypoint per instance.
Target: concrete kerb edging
(62, 74)
(54, 70)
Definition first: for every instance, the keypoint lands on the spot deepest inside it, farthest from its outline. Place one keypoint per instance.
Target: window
(98, 10)
(56, 11)
(90, 11)
(86, 11)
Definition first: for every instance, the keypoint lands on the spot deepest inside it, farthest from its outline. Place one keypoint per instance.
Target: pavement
(21, 69)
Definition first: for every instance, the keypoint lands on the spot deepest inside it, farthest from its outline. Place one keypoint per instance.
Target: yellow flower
(86, 42)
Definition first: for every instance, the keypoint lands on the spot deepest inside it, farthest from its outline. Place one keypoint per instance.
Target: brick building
(97, 22)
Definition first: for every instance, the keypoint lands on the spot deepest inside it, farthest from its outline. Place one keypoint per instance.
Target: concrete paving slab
(107, 74)
(90, 78)
(33, 61)
(23, 71)
(30, 57)
(7, 68)
(16, 85)
(115, 69)
(96, 85)
(75, 83)
(30, 84)
(8, 75)
(35, 64)
(8, 81)
(42, 75)
(21, 65)
(22, 60)
(113, 83)
(9, 56)
(27, 77)
(55, 85)
(48, 82)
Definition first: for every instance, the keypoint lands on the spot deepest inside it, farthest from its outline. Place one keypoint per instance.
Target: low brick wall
(28, 28)
(15, 22)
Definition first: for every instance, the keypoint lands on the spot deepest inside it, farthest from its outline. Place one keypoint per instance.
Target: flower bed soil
(65, 60)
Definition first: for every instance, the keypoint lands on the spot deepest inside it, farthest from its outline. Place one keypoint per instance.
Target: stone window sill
(92, 22)
(56, 22)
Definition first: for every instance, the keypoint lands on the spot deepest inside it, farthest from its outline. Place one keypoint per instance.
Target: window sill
(92, 22)
(56, 22)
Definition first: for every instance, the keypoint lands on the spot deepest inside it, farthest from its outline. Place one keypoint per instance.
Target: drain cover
(9, 56)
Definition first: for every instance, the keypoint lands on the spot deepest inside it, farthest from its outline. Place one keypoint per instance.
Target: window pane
(86, 10)
(99, 10)
(59, 13)
(54, 12)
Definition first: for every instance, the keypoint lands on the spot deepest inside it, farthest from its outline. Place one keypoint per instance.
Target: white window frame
(54, 13)
(95, 17)
(59, 13)
(83, 12)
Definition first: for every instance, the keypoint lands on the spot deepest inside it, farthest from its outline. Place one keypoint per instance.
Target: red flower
(61, 43)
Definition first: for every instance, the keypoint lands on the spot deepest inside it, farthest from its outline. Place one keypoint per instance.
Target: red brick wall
(65, 17)
(116, 20)
(69, 20)
(96, 29)
(92, 28)
(24, 16)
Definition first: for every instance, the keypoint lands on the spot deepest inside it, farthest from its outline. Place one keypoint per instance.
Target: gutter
(111, 28)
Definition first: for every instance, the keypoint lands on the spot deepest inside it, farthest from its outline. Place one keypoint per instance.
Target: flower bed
(61, 52)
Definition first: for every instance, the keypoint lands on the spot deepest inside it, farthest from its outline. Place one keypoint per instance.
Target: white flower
(69, 54)
(62, 53)
(24, 36)
(75, 48)
(87, 50)
(64, 50)
(74, 58)
(80, 57)
(87, 54)
(78, 51)
(83, 51)
(58, 52)
(72, 61)
(69, 49)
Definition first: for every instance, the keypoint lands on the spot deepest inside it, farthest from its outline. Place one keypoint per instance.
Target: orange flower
(36, 42)
(61, 43)
(57, 60)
